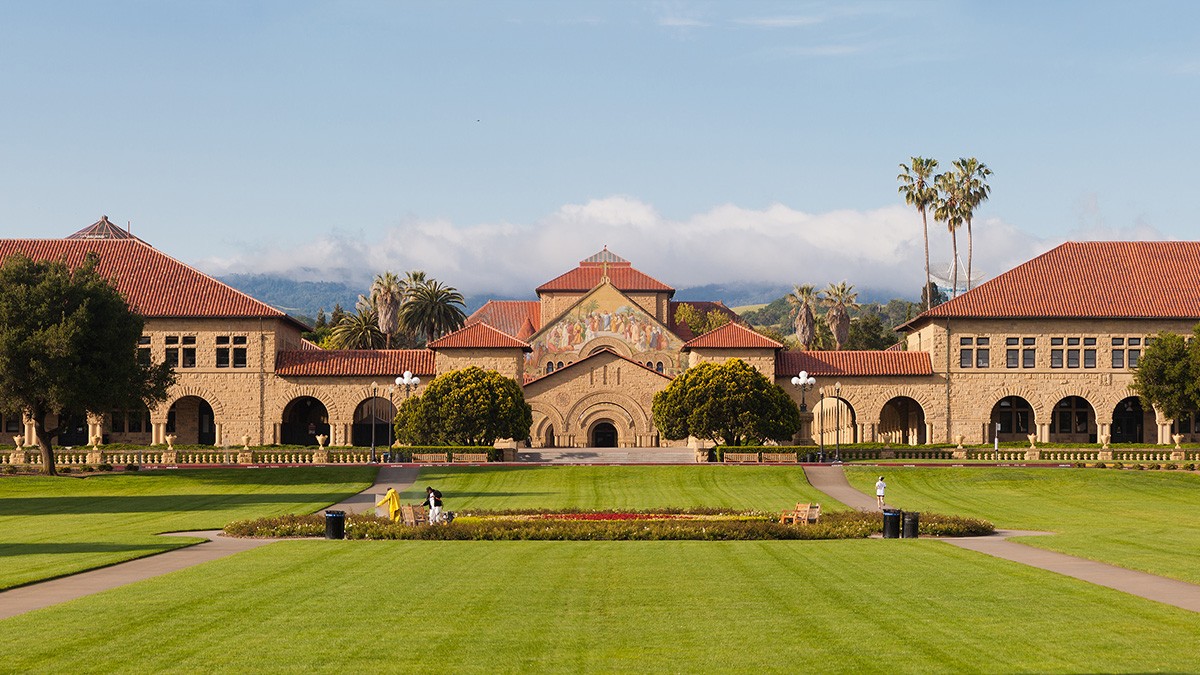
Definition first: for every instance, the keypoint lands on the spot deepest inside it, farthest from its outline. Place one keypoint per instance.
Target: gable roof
(153, 283)
(846, 363)
(508, 316)
(102, 229)
(703, 307)
(594, 268)
(478, 336)
(387, 363)
(1088, 279)
(604, 288)
(599, 352)
(732, 336)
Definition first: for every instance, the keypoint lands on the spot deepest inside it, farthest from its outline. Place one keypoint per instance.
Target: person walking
(880, 486)
(433, 499)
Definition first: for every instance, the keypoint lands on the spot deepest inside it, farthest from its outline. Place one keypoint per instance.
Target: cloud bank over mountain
(879, 248)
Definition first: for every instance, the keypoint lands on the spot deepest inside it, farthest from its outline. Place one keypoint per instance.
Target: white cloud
(681, 22)
(879, 248)
(779, 21)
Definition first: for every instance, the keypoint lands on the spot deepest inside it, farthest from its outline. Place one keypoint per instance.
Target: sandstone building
(1046, 349)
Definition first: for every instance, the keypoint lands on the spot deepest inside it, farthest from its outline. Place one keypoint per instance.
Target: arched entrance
(1015, 417)
(834, 422)
(191, 419)
(1073, 421)
(902, 421)
(375, 413)
(1129, 421)
(604, 435)
(548, 439)
(304, 419)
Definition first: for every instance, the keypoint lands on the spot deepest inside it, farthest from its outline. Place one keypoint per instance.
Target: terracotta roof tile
(704, 307)
(155, 284)
(509, 316)
(1094, 279)
(478, 336)
(587, 276)
(831, 364)
(604, 256)
(732, 336)
(387, 363)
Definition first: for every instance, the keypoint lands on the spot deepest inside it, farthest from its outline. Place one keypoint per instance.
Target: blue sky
(495, 144)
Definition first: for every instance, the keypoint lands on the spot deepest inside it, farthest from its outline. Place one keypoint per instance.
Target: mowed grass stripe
(619, 487)
(868, 605)
(1143, 520)
(55, 526)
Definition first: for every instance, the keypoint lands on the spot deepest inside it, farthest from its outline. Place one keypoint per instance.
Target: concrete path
(46, 593)
(832, 481)
(608, 456)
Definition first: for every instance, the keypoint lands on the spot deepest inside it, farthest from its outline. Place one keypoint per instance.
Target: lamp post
(392, 405)
(374, 416)
(804, 383)
(837, 391)
(408, 381)
(820, 415)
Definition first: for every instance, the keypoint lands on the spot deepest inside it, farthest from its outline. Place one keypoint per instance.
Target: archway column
(1043, 432)
(218, 433)
(868, 432)
(158, 433)
(1164, 432)
(1103, 429)
(928, 433)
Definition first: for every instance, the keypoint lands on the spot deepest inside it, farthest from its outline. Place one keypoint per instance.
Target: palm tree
(971, 176)
(916, 184)
(413, 279)
(838, 301)
(386, 295)
(949, 211)
(802, 301)
(359, 330)
(433, 310)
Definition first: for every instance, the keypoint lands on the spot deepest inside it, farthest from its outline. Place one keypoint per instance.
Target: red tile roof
(831, 364)
(732, 336)
(102, 229)
(509, 316)
(702, 306)
(478, 336)
(153, 283)
(1094, 279)
(591, 270)
(386, 363)
(604, 350)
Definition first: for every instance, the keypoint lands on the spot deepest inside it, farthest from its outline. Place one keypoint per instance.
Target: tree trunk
(43, 436)
(954, 264)
(925, 227)
(970, 250)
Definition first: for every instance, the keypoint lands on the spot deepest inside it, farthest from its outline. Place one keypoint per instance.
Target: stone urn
(959, 440)
(1032, 441)
(321, 441)
(171, 438)
(19, 441)
(246, 443)
(1104, 439)
(1178, 438)
(95, 440)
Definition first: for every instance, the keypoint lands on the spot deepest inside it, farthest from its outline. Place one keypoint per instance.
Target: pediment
(604, 368)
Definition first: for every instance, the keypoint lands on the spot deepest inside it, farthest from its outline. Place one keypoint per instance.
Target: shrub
(1170, 466)
(1189, 467)
(9, 468)
(1155, 466)
(104, 467)
(64, 469)
(1118, 465)
(87, 468)
(132, 467)
(1101, 465)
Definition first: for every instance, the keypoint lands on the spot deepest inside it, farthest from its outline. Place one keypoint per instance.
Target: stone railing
(284, 457)
(1003, 455)
(1054, 455)
(1146, 455)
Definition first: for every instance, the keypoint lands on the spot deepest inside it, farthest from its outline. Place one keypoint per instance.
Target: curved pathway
(46, 593)
(832, 481)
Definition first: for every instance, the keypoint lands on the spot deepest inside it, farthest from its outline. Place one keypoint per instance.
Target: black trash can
(891, 523)
(335, 524)
(912, 523)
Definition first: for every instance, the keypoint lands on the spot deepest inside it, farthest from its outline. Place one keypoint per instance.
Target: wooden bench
(803, 514)
(414, 515)
(779, 458)
(739, 457)
(475, 457)
(429, 457)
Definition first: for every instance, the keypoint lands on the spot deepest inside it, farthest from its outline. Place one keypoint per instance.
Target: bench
(803, 514)
(476, 457)
(414, 515)
(429, 457)
(779, 458)
(739, 457)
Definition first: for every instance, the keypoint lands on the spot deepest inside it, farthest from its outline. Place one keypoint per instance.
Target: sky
(496, 144)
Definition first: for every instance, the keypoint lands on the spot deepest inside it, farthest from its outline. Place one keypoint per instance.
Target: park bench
(414, 515)
(475, 457)
(803, 514)
(740, 457)
(779, 458)
(429, 457)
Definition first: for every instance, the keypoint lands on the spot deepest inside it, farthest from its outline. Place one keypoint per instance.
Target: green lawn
(844, 606)
(55, 526)
(1144, 520)
(619, 487)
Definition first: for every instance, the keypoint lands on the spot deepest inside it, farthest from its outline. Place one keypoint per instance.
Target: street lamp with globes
(804, 382)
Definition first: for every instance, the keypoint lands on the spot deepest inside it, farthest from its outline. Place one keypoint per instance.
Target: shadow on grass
(250, 476)
(74, 547)
(67, 505)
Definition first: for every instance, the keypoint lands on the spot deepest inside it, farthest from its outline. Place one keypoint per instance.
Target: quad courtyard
(873, 605)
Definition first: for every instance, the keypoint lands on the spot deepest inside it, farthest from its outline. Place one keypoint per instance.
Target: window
(982, 358)
(1012, 358)
(966, 341)
(117, 421)
(1028, 358)
(1056, 358)
(549, 367)
(1072, 358)
(1135, 342)
(1118, 342)
(144, 350)
(1074, 342)
(964, 358)
(1012, 341)
(1134, 356)
(189, 351)
(1088, 342)
(238, 352)
(172, 352)
(1118, 358)
(658, 367)
(1056, 341)
(12, 424)
(1089, 358)
(983, 341)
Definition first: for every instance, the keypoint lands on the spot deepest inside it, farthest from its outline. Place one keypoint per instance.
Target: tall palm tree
(916, 184)
(971, 176)
(387, 292)
(949, 211)
(413, 279)
(803, 300)
(433, 310)
(359, 330)
(839, 300)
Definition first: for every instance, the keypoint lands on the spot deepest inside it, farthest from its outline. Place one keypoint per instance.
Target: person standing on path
(433, 498)
(880, 486)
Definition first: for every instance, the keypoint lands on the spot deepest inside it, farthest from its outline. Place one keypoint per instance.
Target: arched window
(559, 366)
(649, 364)
(658, 367)
(549, 367)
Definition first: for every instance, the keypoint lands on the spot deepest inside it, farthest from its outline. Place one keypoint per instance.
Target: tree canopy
(69, 346)
(471, 406)
(731, 403)
(1168, 374)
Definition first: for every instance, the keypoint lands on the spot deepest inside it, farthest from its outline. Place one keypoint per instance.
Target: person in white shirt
(880, 486)
(433, 499)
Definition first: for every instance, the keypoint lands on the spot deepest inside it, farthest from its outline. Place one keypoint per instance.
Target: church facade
(1045, 350)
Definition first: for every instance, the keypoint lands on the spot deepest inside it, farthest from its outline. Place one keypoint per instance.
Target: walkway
(832, 481)
(608, 456)
(46, 593)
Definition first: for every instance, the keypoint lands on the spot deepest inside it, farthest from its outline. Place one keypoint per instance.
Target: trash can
(335, 524)
(891, 523)
(912, 522)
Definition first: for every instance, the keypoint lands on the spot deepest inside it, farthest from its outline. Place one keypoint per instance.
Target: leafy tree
(971, 177)
(1168, 374)
(321, 322)
(471, 406)
(839, 301)
(69, 346)
(916, 184)
(387, 292)
(359, 330)
(731, 403)
(932, 296)
(433, 309)
(803, 301)
(336, 316)
(868, 332)
(699, 322)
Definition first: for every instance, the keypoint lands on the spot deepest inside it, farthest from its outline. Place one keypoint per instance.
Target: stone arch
(372, 421)
(596, 344)
(1132, 423)
(639, 421)
(1017, 419)
(1050, 399)
(159, 412)
(902, 421)
(831, 426)
(544, 418)
(1073, 419)
(275, 411)
(921, 396)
